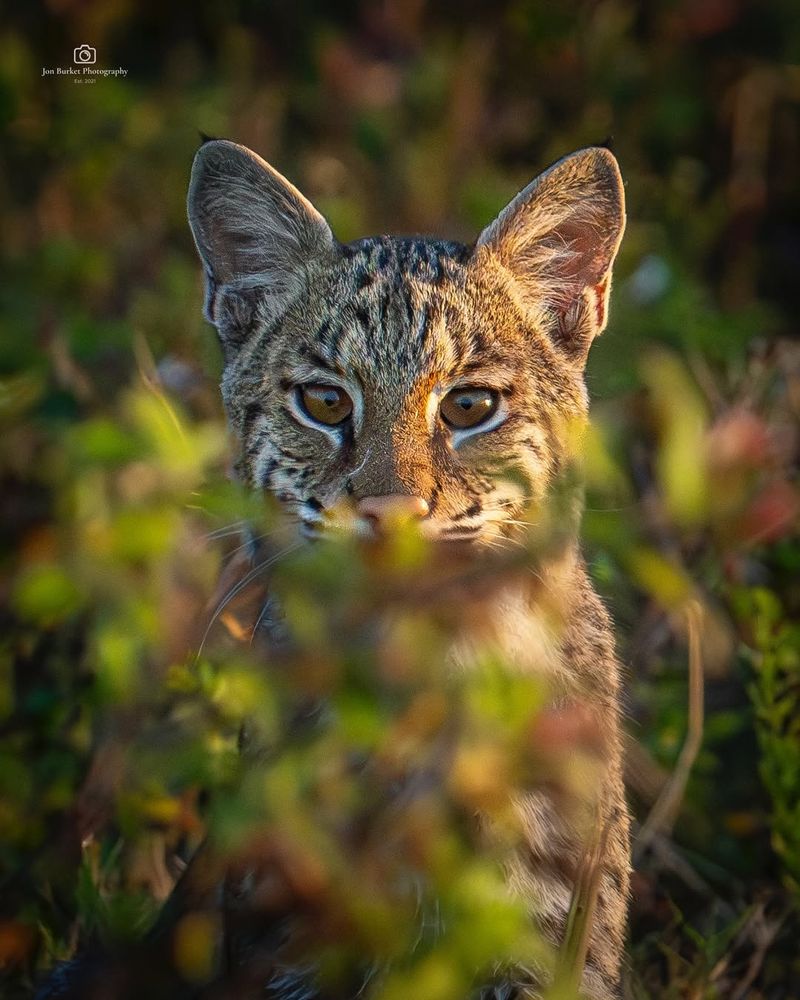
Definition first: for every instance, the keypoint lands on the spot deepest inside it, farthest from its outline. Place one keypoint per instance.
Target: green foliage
(775, 692)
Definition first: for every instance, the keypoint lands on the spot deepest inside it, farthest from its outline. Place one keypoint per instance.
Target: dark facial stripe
(473, 510)
(469, 529)
(327, 364)
(384, 257)
(268, 473)
(323, 332)
(251, 414)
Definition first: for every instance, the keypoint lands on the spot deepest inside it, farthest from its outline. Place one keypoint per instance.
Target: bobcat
(392, 377)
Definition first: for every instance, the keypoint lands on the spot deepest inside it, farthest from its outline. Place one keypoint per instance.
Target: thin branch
(665, 810)
(572, 953)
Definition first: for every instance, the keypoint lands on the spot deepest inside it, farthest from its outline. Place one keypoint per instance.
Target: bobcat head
(405, 377)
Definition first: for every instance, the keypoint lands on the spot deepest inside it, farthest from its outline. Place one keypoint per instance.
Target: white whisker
(228, 529)
(252, 540)
(238, 587)
(260, 618)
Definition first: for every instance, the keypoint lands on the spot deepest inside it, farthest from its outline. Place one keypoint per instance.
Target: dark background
(415, 117)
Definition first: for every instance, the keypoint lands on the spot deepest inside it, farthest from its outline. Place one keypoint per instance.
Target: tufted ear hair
(557, 240)
(257, 237)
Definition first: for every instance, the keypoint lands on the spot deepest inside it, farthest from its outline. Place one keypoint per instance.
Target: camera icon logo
(84, 55)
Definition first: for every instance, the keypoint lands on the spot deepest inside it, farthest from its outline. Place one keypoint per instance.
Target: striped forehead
(387, 308)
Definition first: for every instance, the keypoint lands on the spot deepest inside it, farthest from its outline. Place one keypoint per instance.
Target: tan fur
(396, 324)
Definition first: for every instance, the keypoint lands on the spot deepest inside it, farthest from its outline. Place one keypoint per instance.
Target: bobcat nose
(388, 510)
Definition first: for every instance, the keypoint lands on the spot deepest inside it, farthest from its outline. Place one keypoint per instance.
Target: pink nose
(390, 509)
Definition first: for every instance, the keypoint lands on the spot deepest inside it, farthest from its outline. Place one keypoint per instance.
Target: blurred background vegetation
(398, 116)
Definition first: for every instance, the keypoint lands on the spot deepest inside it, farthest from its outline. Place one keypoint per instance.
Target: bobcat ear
(256, 235)
(558, 239)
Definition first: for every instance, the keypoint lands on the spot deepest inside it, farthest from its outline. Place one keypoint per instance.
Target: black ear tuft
(205, 138)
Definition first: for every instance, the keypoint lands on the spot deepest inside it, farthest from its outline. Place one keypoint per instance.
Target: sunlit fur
(397, 323)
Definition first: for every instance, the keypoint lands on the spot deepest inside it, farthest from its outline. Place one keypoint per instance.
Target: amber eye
(467, 407)
(327, 404)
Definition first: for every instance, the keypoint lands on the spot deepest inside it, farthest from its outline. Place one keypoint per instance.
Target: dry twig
(572, 954)
(664, 812)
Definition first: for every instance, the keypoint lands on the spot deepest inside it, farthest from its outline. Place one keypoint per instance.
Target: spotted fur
(397, 323)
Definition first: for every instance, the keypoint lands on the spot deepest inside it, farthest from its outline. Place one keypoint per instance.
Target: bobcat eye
(327, 404)
(467, 407)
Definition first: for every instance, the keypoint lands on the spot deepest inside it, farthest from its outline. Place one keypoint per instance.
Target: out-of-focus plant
(337, 774)
(774, 643)
(395, 118)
